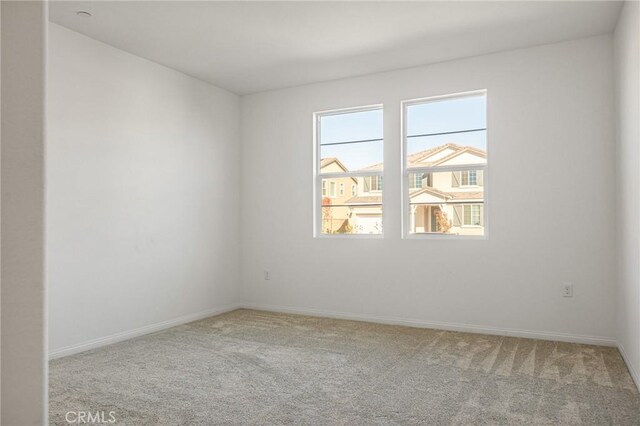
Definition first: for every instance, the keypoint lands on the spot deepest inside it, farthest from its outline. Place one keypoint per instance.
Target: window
(415, 180)
(375, 184)
(349, 153)
(472, 215)
(445, 165)
(468, 178)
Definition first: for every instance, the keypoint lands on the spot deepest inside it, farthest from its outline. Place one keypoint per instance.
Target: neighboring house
(335, 193)
(367, 204)
(439, 202)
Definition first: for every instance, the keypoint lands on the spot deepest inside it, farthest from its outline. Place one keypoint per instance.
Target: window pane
(352, 219)
(475, 215)
(467, 215)
(348, 142)
(443, 204)
(357, 212)
(464, 122)
(351, 126)
(447, 115)
(472, 178)
(351, 157)
(442, 152)
(418, 180)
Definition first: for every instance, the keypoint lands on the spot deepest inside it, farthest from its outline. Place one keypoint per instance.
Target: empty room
(320, 213)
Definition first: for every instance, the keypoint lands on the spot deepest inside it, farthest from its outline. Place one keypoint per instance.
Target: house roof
(460, 150)
(431, 191)
(446, 196)
(324, 162)
(369, 199)
(374, 167)
(419, 159)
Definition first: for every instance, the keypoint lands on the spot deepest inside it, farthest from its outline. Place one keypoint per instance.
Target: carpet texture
(257, 368)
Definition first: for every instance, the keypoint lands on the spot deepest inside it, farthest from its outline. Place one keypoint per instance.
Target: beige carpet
(257, 368)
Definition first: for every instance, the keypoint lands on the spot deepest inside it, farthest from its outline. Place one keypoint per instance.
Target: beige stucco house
(335, 192)
(447, 202)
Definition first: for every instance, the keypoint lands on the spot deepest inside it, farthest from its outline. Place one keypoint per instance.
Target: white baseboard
(125, 335)
(630, 366)
(530, 334)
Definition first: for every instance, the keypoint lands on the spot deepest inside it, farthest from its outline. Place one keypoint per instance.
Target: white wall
(627, 53)
(142, 194)
(24, 368)
(552, 201)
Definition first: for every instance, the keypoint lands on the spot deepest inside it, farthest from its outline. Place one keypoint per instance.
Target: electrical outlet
(567, 290)
(267, 275)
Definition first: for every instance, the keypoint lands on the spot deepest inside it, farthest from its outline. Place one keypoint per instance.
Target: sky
(433, 117)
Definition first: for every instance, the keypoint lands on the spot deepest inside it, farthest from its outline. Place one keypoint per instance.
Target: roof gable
(422, 158)
(332, 164)
(428, 195)
(467, 155)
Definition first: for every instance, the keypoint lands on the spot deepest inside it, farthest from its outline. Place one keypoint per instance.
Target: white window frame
(406, 208)
(354, 190)
(341, 189)
(318, 176)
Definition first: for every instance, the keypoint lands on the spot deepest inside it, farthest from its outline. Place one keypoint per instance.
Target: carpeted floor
(257, 368)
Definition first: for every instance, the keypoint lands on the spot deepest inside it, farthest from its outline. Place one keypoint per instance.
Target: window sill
(439, 236)
(348, 236)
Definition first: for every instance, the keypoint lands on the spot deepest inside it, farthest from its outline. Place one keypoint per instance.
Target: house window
(348, 150)
(415, 180)
(445, 156)
(468, 178)
(472, 215)
(376, 183)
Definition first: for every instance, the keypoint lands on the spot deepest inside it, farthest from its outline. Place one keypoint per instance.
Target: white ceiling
(249, 47)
